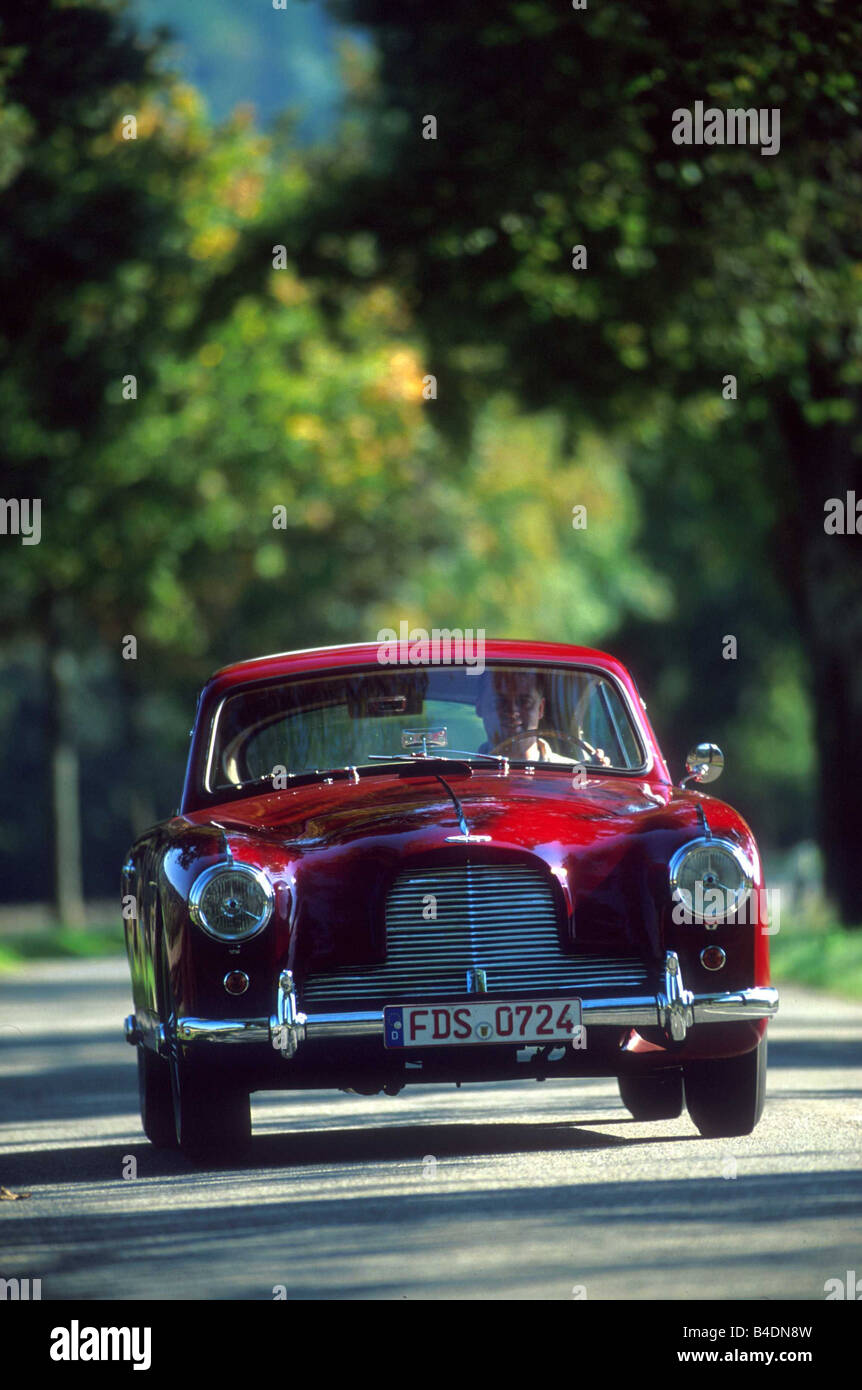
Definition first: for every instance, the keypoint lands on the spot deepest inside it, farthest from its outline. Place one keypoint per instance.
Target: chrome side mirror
(705, 763)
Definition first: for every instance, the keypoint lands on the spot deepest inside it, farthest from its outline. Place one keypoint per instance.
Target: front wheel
(725, 1094)
(154, 1093)
(212, 1120)
(655, 1096)
(211, 1113)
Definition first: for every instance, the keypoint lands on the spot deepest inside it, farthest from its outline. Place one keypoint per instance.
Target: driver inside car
(511, 706)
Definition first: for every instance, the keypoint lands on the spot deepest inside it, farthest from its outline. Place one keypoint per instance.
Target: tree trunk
(142, 811)
(68, 897)
(824, 575)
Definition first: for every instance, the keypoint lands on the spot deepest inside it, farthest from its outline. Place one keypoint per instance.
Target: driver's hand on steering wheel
(598, 753)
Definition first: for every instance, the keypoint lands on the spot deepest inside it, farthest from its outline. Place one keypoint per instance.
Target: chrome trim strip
(223, 1030)
(621, 1013)
(761, 1001)
(355, 1025)
(745, 1005)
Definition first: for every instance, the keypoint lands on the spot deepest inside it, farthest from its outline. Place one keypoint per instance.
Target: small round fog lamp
(236, 982)
(712, 957)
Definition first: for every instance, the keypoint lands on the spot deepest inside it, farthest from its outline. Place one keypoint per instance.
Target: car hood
(607, 844)
(519, 808)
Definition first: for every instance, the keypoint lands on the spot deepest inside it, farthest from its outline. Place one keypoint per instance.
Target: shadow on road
(340, 1246)
(378, 1144)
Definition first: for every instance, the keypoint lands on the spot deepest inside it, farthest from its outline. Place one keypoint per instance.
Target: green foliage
(819, 955)
(296, 394)
(61, 943)
(263, 407)
(555, 129)
(261, 395)
(158, 511)
(515, 564)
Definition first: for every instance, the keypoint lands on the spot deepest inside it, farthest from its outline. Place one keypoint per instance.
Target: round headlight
(711, 878)
(231, 901)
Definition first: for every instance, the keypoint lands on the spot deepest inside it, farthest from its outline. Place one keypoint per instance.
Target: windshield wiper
(492, 757)
(460, 753)
(311, 774)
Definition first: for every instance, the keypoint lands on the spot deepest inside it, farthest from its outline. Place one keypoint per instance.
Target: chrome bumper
(674, 1009)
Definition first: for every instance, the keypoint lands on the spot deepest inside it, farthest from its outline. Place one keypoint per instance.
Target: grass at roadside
(822, 956)
(59, 943)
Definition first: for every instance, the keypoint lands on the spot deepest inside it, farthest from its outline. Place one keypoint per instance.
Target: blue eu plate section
(393, 1026)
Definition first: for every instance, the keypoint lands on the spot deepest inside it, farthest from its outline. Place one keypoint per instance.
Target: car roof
(366, 654)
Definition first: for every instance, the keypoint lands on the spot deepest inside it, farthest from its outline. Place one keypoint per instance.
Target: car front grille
(498, 917)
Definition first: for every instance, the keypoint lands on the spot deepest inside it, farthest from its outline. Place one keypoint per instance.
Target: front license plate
(438, 1025)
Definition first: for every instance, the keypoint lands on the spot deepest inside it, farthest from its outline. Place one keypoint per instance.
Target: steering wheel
(559, 734)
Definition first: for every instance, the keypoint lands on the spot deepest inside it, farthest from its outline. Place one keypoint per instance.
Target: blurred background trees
(286, 386)
(716, 303)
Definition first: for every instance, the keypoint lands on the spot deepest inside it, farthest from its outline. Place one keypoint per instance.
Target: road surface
(503, 1191)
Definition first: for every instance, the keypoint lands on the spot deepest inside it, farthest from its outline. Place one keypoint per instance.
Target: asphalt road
(526, 1191)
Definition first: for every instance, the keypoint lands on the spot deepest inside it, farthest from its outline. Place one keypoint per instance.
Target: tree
(228, 455)
(555, 131)
(161, 444)
(78, 307)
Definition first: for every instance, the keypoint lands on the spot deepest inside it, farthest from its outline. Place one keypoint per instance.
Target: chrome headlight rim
(203, 881)
(736, 853)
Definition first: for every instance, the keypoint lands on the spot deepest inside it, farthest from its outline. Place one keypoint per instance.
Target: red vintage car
(387, 872)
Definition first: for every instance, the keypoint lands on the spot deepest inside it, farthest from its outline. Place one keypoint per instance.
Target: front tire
(211, 1113)
(653, 1096)
(154, 1093)
(212, 1121)
(725, 1095)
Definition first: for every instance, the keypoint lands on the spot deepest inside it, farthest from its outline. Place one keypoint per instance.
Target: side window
(613, 728)
(596, 725)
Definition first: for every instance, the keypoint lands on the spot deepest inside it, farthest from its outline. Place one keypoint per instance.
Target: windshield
(543, 715)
